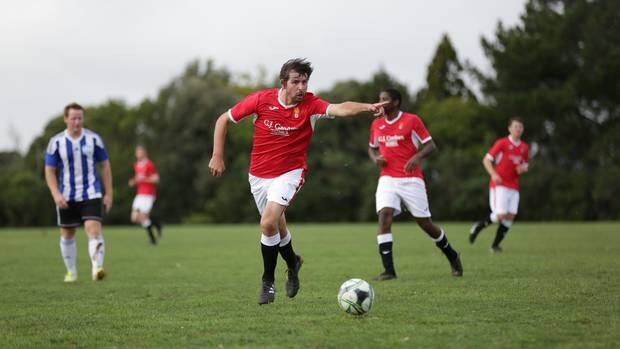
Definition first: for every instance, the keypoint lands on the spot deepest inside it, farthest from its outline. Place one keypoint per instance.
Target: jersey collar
(68, 136)
(400, 113)
(281, 103)
(516, 144)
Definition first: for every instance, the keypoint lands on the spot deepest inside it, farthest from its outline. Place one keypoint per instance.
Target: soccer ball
(356, 296)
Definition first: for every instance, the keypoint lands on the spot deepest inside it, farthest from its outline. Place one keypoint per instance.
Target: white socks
(96, 250)
(68, 251)
(270, 240)
(493, 217)
(383, 238)
(286, 239)
(146, 223)
(506, 223)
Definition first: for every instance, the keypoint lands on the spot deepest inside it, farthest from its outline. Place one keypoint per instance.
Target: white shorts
(411, 190)
(280, 190)
(504, 200)
(143, 203)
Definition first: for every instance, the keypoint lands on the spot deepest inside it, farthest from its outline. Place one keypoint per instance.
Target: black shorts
(78, 212)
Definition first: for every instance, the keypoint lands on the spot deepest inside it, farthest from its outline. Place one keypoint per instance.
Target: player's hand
(496, 178)
(521, 169)
(107, 202)
(132, 182)
(379, 160)
(60, 201)
(216, 166)
(412, 164)
(377, 108)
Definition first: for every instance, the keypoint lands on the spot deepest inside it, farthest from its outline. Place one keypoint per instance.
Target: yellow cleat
(70, 277)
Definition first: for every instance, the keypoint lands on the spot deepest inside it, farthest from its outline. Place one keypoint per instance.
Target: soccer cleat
(475, 230)
(98, 274)
(457, 267)
(267, 293)
(70, 277)
(385, 276)
(496, 249)
(292, 278)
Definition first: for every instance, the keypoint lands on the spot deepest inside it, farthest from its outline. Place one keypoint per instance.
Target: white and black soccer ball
(356, 296)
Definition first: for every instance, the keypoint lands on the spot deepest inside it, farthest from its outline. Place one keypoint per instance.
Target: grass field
(556, 285)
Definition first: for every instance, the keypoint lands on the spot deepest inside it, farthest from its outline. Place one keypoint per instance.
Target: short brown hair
(299, 65)
(72, 106)
(513, 119)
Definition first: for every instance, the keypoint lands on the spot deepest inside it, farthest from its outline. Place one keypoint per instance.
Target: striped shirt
(76, 159)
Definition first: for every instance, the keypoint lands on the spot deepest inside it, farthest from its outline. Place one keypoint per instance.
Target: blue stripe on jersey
(71, 170)
(84, 170)
(62, 183)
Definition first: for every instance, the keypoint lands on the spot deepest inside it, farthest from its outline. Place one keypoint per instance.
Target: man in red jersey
(145, 179)
(283, 127)
(510, 155)
(398, 143)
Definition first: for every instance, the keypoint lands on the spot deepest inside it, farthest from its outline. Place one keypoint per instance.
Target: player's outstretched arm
(216, 164)
(354, 108)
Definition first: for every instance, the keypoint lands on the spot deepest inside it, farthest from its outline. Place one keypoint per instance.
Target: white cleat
(70, 277)
(98, 274)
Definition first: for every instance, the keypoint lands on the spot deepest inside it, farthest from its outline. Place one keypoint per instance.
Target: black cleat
(267, 293)
(457, 267)
(385, 276)
(496, 249)
(475, 230)
(292, 278)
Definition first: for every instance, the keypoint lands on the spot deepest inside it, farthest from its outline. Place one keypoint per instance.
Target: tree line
(558, 69)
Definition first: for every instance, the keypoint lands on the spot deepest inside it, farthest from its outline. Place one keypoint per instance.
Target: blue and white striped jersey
(76, 159)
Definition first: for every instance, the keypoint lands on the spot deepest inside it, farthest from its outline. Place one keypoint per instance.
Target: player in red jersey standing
(398, 143)
(145, 180)
(283, 127)
(510, 155)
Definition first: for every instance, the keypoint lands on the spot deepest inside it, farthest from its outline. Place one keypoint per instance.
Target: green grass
(556, 285)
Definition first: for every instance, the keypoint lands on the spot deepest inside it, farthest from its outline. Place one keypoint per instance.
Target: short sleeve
(495, 149)
(419, 131)
(152, 169)
(100, 152)
(245, 107)
(52, 156)
(319, 107)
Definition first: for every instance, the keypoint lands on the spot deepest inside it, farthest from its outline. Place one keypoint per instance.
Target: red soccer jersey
(144, 169)
(398, 141)
(281, 133)
(507, 155)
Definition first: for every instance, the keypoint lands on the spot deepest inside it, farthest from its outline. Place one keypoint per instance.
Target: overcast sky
(54, 51)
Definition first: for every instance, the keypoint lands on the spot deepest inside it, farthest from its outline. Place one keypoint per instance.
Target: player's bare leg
(441, 241)
(96, 248)
(270, 247)
(384, 239)
(505, 222)
(293, 260)
(68, 251)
